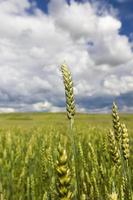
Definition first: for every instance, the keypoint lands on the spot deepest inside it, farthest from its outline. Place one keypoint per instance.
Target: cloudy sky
(95, 39)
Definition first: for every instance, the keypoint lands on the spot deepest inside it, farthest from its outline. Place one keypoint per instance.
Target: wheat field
(66, 157)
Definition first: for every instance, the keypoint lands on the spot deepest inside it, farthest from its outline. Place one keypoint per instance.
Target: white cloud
(7, 110)
(118, 85)
(47, 106)
(127, 109)
(33, 46)
(14, 6)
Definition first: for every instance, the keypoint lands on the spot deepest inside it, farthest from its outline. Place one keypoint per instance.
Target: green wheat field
(66, 156)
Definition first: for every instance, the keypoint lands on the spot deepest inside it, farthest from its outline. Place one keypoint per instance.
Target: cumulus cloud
(32, 47)
(118, 85)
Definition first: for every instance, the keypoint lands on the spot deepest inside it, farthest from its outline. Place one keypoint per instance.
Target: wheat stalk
(126, 189)
(70, 107)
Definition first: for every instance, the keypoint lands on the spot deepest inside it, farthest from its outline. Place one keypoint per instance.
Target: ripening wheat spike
(68, 84)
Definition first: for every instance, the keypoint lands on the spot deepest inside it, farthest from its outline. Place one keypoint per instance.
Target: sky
(94, 38)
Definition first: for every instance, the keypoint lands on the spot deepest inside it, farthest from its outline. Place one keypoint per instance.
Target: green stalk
(70, 107)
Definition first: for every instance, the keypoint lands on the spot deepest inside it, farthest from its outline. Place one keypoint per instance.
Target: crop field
(54, 156)
(28, 121)
(29, 155)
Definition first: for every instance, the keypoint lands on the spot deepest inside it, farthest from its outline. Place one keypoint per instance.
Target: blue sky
(95, 39)
(124, 8)
(125, 14)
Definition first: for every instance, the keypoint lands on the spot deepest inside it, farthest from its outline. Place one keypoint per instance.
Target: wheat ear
(116, 122)
(125, 142)
(63, 175)
(68, 83)
(113, 196)
(114, 151)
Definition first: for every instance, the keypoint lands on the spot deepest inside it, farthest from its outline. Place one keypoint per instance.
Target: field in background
(33, 166)
(30, 120)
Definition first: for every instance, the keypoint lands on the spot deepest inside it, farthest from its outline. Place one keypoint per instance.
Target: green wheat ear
(125, 142)
(68, 83)
(63, 175)
(114, 151)
(116, 122)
